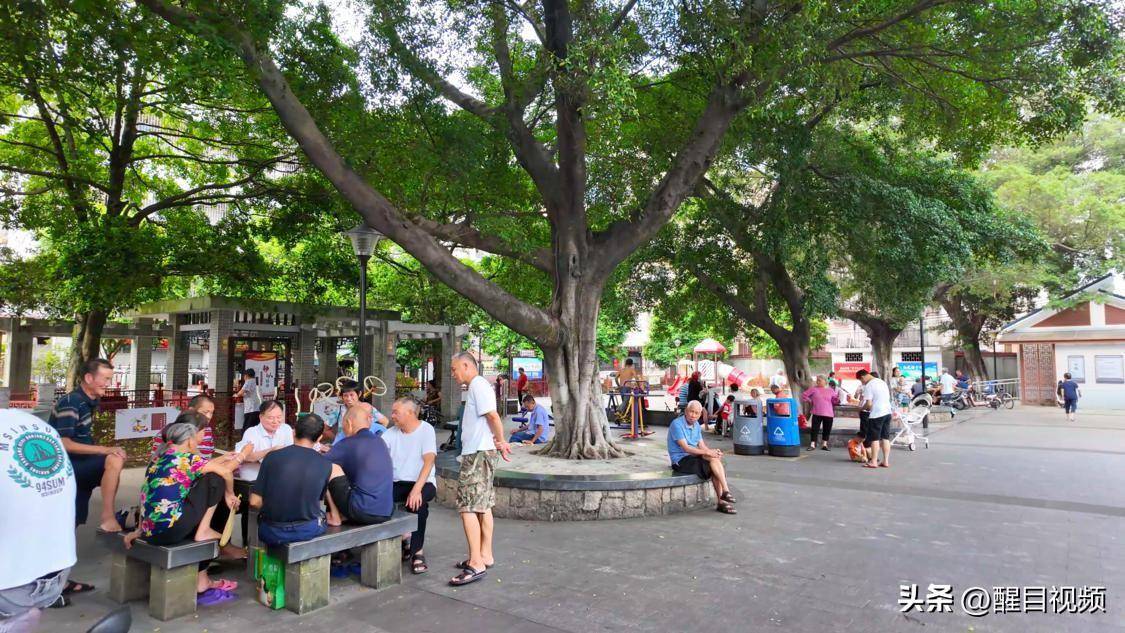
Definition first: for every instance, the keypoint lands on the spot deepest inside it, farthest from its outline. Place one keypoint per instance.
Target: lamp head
(364, 239)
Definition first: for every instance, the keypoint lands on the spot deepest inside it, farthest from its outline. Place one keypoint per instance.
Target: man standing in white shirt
(413, 448)
(482, 438)
(948, 386)
(877, 403)
(37, 545)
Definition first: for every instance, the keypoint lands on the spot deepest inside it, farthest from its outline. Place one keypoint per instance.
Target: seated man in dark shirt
(364, 493)
(290, 486)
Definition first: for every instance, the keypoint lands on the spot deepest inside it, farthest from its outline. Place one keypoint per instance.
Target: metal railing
(1007, 385)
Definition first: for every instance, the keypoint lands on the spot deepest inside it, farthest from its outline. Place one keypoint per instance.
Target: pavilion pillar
(17, 365)
(328, 363)
(140, 358)
(384, 344)
(450, 391)
(304, 356)
(176, 366)
(218, 352)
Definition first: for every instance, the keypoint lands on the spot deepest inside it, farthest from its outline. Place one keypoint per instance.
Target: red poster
(846, 371)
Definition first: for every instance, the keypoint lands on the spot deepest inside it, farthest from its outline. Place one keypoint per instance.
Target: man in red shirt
(521, 384)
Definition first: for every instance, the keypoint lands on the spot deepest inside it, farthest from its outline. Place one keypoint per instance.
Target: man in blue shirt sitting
(690, 455)
(365, 492)
(538, 429)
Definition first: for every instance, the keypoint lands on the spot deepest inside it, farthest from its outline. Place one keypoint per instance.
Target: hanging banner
(846, 371)
(264, 365)
(912, 369)
(130, 424)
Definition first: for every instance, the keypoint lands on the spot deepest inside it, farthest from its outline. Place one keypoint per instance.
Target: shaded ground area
(1006, 498)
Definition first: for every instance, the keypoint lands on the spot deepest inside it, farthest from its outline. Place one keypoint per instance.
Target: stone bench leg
(380, 563)
(172, 591)
(306, 585)
(128, 578)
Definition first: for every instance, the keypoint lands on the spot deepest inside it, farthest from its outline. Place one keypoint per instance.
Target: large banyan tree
(592, 121)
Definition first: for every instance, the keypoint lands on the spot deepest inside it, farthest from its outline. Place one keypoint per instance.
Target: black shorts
(878, 428)
(693, 465)
(88, 470)
(341, 491)
(863, 415)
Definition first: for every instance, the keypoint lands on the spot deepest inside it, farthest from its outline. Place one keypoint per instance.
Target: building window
(853, 357)
(1109, 369)
(912, 357)
(1076, 367)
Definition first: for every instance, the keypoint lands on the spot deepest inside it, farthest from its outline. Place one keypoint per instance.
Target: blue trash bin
(782, 431)
(746, 431)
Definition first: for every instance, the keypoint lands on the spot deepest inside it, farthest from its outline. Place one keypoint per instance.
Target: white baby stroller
(911, 422)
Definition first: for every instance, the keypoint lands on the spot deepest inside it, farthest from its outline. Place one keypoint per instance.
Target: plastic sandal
(212, 597)
(467, 576)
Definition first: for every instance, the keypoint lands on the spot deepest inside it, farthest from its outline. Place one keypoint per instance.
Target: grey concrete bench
(165, 575)
(307, 562)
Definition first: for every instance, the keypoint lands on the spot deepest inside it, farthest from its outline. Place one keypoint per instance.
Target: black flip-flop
(467, 576)
(61, 602)
(418, 564)
(72, 587)
(726, 496)
(465, 565)
(726, 508)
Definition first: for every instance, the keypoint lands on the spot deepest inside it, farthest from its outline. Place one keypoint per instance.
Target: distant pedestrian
(1070, 394)
(251, 399)
(779, 379)
(899, 390)
(948, 386)
(521, 385)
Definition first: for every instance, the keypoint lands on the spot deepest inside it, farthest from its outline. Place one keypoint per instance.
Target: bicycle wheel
(1007, 400)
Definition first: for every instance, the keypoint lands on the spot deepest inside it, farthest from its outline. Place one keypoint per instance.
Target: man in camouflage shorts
(482, 441)
(475, 492)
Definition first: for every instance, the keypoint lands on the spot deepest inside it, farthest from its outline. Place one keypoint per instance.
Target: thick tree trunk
(968, 327)
(581, 427)
(85, 343)
(881, 344)
(795, 355)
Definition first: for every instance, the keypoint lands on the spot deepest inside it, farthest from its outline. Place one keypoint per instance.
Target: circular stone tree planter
(583, 497)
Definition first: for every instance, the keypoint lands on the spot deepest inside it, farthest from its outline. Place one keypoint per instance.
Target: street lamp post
(922, 352)
(363, 239)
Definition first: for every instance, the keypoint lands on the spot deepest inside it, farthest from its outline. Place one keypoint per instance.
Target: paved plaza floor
(1001, 499)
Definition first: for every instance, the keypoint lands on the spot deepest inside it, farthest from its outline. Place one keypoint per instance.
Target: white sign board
(131, 424)
(1109, 369)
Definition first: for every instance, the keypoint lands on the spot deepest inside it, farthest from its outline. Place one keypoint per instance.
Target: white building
(1086, 339)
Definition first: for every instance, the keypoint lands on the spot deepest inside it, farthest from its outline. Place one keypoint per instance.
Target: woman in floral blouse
(186, 496)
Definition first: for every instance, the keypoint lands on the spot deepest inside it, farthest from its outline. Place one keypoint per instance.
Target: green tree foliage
(582, 127)
(114, 132)
(1073, 189)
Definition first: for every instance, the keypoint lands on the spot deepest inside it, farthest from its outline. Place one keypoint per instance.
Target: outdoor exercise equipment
(374, 386)
(635, 405)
